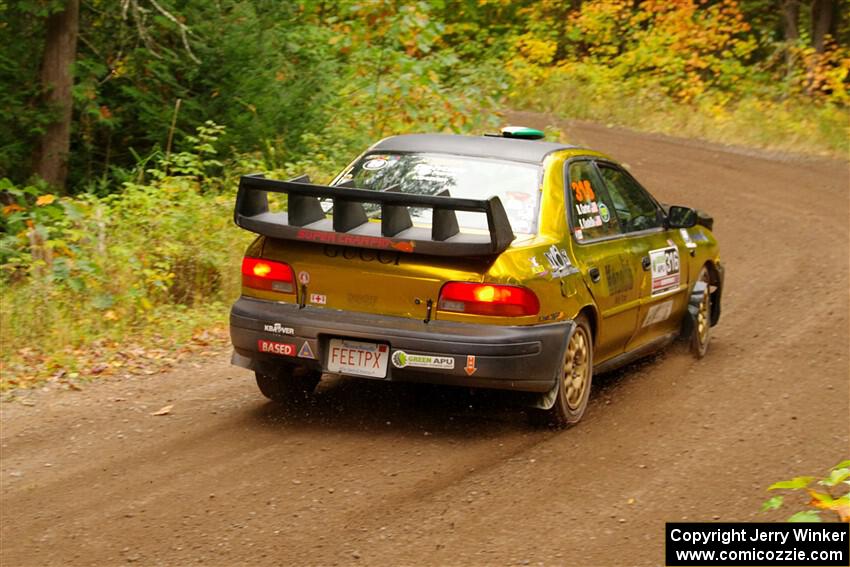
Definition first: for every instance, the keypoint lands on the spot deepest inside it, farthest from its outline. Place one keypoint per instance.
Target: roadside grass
(94, 286)
(126, 290)
(170, 335)
(790, 125)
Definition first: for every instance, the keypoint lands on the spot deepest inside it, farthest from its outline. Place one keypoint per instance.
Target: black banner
(757, 544)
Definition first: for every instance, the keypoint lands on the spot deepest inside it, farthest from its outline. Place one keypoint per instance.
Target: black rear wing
(349, 225)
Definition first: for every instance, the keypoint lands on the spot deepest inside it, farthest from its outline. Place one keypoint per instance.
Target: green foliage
(821, 499)
(687, 68)
(91, 268)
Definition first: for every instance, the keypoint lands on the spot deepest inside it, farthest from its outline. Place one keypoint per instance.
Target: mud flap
(547, 401)
(689, 321)
(241, 361)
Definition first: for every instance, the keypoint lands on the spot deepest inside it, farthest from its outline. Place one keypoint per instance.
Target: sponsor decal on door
(665, 270)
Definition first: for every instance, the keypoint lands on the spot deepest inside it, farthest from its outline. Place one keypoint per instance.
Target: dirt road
(397, 474)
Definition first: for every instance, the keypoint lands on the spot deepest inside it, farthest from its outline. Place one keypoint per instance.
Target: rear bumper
(526, 358)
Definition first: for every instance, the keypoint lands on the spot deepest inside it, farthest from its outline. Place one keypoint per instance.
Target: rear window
(516, 184)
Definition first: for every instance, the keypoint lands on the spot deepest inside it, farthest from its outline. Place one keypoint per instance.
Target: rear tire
(574, 382)
(288, 384)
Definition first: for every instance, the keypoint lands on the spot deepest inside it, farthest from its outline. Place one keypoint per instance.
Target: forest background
(124, 125)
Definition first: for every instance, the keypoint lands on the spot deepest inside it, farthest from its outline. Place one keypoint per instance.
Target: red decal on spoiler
(356, 240)
(404, 246)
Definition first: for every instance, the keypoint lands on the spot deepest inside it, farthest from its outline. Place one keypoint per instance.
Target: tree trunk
(790, 15)
(822, 19)
(51, 160)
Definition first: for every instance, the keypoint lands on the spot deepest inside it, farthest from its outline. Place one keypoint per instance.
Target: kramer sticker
(402, 359)
(658, 313)
(665, 269)
(279, 329)
(304, 278)
(604, 212)
(318, 298)
(305, 351)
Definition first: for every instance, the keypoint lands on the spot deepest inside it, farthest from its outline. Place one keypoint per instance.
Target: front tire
(701, 332)
(574, 382)
(288, 384)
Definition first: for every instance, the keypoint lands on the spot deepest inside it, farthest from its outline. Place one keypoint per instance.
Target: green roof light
(522, 132)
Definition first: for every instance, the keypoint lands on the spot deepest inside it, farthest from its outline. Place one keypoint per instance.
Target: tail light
(488, 299)
(265, 274)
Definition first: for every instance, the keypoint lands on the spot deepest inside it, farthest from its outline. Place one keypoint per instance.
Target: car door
(603, 256)
(663, 279)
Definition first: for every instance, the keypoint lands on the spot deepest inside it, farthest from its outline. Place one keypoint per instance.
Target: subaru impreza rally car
(497, 261)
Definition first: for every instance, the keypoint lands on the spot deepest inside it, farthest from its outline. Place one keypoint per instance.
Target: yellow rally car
(496, 261)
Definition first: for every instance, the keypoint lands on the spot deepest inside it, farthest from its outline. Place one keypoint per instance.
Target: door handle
(645, 263)
(594, 274)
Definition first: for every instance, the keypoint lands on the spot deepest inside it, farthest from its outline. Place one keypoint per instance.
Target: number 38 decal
(583, 190)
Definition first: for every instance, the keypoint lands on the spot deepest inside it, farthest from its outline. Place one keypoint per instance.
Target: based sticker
(604, 212)
(665, 269)
(279, 329)
(285, 349)
(402, 359)
(658, 313)
(305, 351)
(318, 298)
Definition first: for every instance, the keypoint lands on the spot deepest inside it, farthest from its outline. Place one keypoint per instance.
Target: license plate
(358, 358)
(274, 347)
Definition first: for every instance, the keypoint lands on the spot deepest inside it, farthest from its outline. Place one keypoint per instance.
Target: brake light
(488, 299)
(265, 274)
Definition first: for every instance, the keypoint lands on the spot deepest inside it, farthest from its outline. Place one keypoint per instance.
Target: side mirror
(681, 217)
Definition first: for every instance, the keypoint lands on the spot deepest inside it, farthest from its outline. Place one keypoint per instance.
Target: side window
(635, 208)
(590, 208)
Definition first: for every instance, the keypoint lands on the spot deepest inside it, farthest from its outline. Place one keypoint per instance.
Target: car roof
(533, 151)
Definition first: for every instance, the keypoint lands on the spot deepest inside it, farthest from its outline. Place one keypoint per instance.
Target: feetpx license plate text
(358, 358)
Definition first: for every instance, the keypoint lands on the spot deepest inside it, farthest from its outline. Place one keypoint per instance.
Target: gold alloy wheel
(703, 316)
(576, 368)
